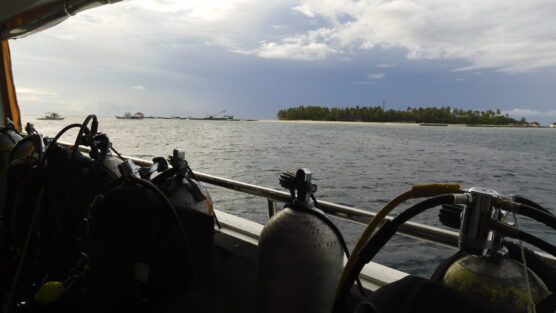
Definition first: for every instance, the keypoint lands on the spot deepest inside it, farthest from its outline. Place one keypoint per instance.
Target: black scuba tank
(154, 251)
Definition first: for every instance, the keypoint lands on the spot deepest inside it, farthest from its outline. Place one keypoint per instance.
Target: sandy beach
(395, 124)
(339, 122)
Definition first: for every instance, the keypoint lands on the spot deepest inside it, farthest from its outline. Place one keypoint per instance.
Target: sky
(253, 58)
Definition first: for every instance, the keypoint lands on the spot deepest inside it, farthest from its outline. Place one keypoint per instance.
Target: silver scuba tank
(300, 257)
(8, 139)
(183, 190)
(111, 162)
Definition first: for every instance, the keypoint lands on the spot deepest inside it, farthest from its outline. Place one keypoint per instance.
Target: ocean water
(363, 166)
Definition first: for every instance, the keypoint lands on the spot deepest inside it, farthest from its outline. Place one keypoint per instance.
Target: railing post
(271, 207)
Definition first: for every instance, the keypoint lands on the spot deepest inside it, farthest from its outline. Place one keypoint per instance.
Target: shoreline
(338, 122)
(396, 124)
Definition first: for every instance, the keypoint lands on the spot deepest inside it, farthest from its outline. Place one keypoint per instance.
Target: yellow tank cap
(49, 292)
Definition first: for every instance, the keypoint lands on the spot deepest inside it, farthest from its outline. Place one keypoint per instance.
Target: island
(430, 116)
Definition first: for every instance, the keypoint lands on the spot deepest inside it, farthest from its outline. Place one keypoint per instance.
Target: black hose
(535, 262)
(83, 129)
(382, 236)
(162, 177)
(526, 201)
(53, 143)
(117, 153)
(536, 214)
(521, 235)
(536, 241)
(324, 218)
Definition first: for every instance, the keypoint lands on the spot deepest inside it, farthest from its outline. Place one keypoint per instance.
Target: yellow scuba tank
(488, 274)
(300, 255)
(483, 267)
(498, 279)
(8, 139)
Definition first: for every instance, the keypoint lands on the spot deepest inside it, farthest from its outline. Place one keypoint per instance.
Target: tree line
(445, 115)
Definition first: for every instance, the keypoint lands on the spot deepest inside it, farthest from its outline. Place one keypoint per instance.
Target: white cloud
(376, 76)
(138, 87)
(297, 48)
(512, 36)
(30, 94)
(386, 65)
(308, 47)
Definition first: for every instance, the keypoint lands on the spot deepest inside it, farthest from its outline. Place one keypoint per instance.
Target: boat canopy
(23, 17)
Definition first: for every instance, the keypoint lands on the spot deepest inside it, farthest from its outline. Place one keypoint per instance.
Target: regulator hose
(534, 213)
(416, 191)
(388, 229)
(526, 201)
(54, 141)
(450, 214)
(519, 234)
(82, 130)
(318, 213)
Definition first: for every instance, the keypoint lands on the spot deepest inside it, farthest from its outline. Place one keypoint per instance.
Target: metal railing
(418, 231)
(431, 234)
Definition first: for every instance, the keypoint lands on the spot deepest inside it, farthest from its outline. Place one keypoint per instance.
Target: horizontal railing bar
(415, 230)
(410, 229)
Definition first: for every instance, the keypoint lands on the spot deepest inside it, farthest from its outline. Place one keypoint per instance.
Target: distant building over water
(553, 125)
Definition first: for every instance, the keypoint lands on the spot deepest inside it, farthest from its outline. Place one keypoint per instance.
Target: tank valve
(128, 169)
(300, 182)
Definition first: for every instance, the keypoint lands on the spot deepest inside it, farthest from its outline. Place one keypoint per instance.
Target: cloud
(544, 117)
(376, 76)
(512, 36)
(138, 87)
(508, 35)
(309, 47)
(30, 94)
(296, 48)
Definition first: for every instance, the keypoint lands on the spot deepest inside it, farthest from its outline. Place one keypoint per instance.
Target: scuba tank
(8, 139)
(180, 186)
(194, 206)
(487, 274)
(300, 254)
(483, 266)
(151, 241)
